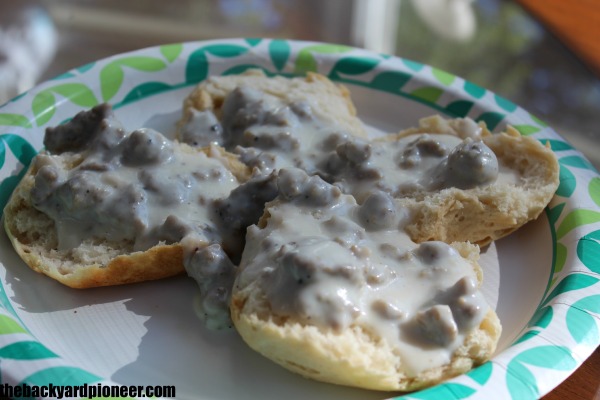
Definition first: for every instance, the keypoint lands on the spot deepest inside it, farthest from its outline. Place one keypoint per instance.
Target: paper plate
(543, 280)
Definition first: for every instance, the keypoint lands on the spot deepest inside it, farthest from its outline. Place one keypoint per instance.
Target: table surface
(544, 56)
(577, 23)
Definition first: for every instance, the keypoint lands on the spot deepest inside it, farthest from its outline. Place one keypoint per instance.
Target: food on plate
(463, 206)
(462, 182)
(270, 122)
(102, 206)
(336, 291)
(354, 257)
(451, 181)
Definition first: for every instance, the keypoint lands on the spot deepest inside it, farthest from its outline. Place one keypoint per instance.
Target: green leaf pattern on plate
(581, 324)
(576, 219)
(543, 317)
(450, 390)
(588, 251)
(226, 50)
(24, 152)
(112, 75)
(279, 51)
(61, 375)
(352, 66)
(574, 281)
(561, 257)
(238, 69)
(253, 41)
(144, 90)
(558, 145)
(413, 65)
(459, 108)
(482, 373)
(20, 147)
(8, 325)
(527, 335)
(567, 183)
(538, 121)
(197, 65)
(427, 94)
(594, 190)
(171, 51)
(43, 104)
(14, 120)
(491, 119)
(521, 382)
(85, 68)
(577, 162)
(527, 130)
(554, 213)
(306, 61)
(445, 78)
(26, 350)
(474, 90)
(443, 391)
(390, 81)
(505, 104)
(132, 77)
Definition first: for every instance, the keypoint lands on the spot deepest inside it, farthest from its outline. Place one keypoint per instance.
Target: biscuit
(312, 273)
(485, 213)
(332, 102)
(69, 176)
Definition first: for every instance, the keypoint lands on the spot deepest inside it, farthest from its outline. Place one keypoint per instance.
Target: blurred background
(515, 48)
